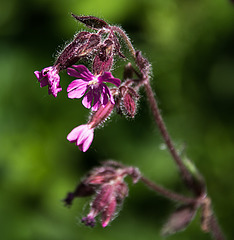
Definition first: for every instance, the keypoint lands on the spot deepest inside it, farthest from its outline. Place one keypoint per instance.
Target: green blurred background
(190, 46)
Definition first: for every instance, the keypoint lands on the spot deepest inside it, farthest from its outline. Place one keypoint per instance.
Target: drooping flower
(97, 93)
(82, 135)
(107, 185)
(49, 76)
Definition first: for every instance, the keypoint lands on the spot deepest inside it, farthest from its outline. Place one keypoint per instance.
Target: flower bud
(104, 59)
(101, 114)
(72, 52)
(91, 22)
(82, 45)
(143, 64)
(128, 101)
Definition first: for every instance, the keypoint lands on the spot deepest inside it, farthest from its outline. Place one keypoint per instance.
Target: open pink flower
(97, 93)
(82, 135)
(49, 76)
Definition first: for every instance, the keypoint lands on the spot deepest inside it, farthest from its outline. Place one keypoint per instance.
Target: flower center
(94, 81)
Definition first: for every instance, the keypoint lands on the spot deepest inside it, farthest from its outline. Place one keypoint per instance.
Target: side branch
(167, 193)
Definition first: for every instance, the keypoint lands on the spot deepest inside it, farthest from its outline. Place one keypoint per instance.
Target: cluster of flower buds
(107, 185)
(101, 46)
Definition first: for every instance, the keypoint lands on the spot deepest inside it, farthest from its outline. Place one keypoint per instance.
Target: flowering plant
(106, 182)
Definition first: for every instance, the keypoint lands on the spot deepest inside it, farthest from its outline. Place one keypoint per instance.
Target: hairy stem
(125, 38)
(162, 128)
(167, 193)
(215, 229)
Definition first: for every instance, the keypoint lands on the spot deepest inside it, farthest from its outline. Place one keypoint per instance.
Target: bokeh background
(190, 46)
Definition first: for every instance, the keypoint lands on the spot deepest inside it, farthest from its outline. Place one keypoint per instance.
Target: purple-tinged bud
(116, 43)
(91, 45)
(101, 114)
(179, 219)
(91, 22)
(143, 64)
(104, 59)
(129, 105)
(128, 101)
(128, 71)
(82, 45)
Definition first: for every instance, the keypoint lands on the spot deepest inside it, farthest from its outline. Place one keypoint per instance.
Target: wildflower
(108, 185)
(49, 76)
(97, 92)
(82, 135)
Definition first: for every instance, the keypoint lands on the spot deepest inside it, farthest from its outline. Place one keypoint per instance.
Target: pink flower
(49, 76)
(97, 93)
(82, 135)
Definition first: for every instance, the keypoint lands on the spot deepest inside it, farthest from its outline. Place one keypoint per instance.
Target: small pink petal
(96, 101)
(77, 89)
(38, 75)
(107, 77)
(87, 100)
(80, 72)
(76, 84)
(86, 144)
(74, 134)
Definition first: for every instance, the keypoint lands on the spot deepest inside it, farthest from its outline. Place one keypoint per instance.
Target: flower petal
(96, 101)
(107, 77)
(80, 71)
(88, 98)
(49, 76)
(87, 142)
(77, 88)
(38, 75)
(74, 134)
(105, 92)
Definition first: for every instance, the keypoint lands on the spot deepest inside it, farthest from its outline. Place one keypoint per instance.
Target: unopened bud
(101, 115)
(128, 102)
(72, 53)
(91, 45)
(104, 59)
(91, 21)
(143, 64)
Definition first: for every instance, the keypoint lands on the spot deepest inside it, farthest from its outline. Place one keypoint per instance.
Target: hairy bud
(128, 101)
(104, 59)
(143, 64)
(91, 21)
